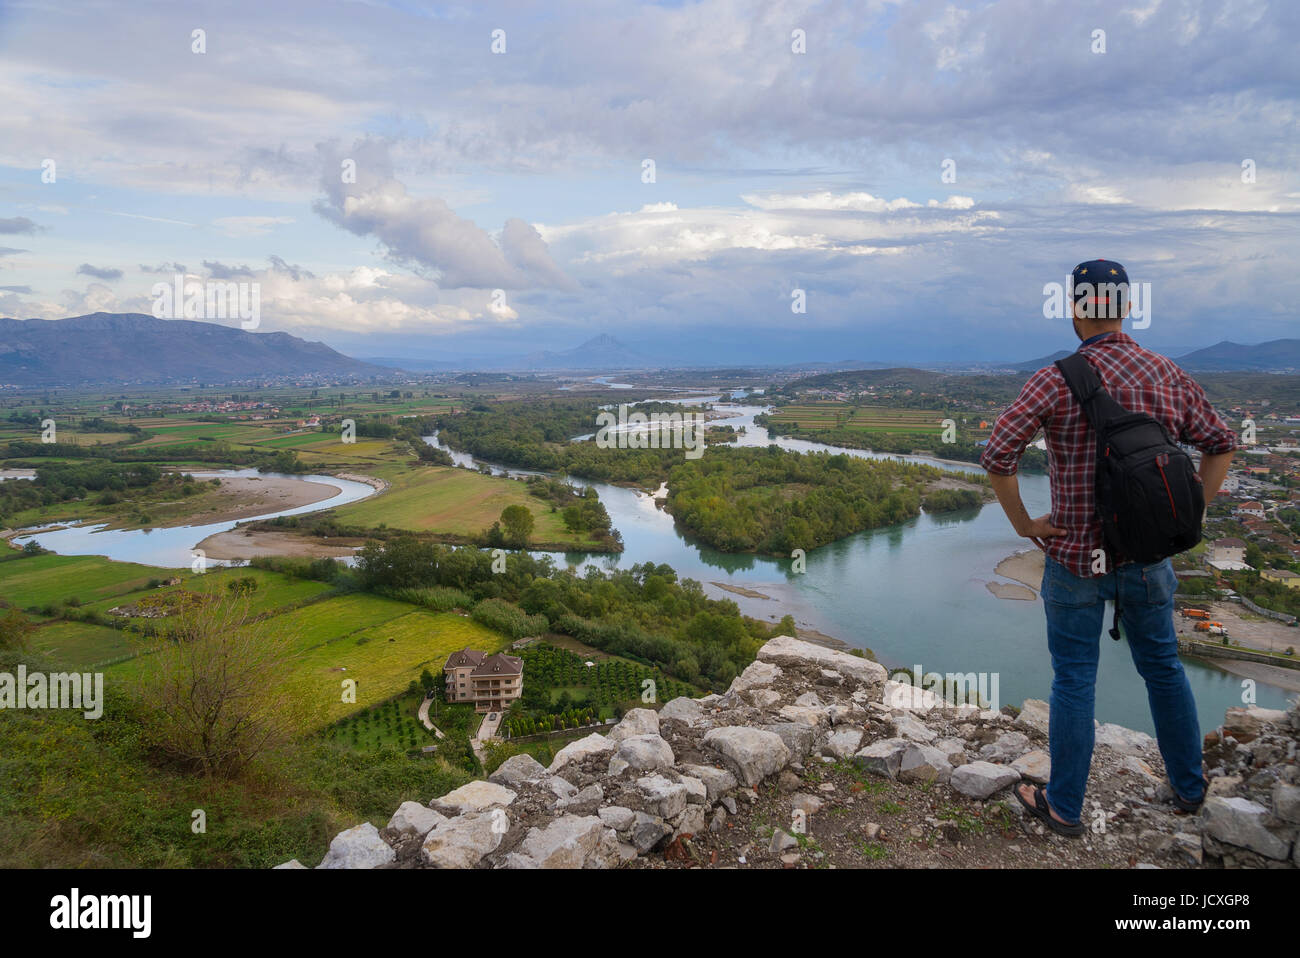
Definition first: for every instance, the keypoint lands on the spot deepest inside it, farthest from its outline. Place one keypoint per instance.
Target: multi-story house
(491, 682)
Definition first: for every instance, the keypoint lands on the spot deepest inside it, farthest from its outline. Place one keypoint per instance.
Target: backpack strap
(1084, 384)
(1089, 393)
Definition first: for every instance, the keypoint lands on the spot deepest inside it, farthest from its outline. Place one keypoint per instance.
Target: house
(1282, 576)
(1227, 550)
(491, 682)
(1250, 509)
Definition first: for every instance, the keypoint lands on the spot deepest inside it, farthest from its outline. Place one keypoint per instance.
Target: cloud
(18, 224)
(164, 268)
(217, 270)
(105, 273)
(424, 232)
(16, 289)
(10, 251)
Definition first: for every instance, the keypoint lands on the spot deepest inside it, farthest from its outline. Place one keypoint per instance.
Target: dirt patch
(1012, 590)
(1024, 567)
(740, 590)
(249, 544)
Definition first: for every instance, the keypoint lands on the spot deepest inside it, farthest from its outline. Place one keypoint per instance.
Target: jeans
(1076, 608)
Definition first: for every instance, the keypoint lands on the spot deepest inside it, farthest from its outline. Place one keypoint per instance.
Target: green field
(877, 419)
(80, 645)
(453, 501)
(383, 660)
(38, 580)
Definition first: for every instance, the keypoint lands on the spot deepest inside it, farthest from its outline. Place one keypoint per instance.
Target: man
(1075, 584)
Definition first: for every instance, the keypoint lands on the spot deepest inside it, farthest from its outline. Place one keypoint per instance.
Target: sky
(453, 180)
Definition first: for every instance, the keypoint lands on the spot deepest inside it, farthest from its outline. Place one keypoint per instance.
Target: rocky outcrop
(658, 784)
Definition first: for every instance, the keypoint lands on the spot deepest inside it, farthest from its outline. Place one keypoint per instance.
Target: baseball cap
(1102, 285)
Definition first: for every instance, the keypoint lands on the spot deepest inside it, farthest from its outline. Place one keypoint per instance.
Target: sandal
(1189, 806)
(1042, 810)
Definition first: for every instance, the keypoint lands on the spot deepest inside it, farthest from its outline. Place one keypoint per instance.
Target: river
(172, 547)
(915, 594)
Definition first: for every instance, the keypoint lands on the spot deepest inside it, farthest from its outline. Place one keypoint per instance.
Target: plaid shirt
(1138, 379)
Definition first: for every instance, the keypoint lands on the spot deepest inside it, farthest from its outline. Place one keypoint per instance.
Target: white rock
(635, 722)
(413, 820)
(910, 727)
(617, 817)
(474, 796)
(292, 863)
(662, 797)
(461, 842)
(645, 752)
(359, 847)
(682, 709)
(518, 770)
(982, 779)
(752, 753)
(571, 841)
(1122, 739)
(784, 650)
(1034, 713)
(1035, 766)
(1241, 822)
(882, 757)
(756, 675)
(924, 763)
(909, 697)
(717, 781)
(954, 749)
(844, 742)
(814, 716)
(593, 744)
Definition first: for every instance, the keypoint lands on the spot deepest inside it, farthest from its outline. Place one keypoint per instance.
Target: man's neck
(1097, 335)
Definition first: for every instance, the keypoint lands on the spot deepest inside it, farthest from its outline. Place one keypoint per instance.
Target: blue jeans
(1076, 609)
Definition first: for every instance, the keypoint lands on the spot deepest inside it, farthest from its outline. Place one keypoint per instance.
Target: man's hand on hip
(1036, 530)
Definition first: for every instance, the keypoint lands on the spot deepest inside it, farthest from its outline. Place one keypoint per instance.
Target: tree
(14, 629)
(517, 523)
(217, 696)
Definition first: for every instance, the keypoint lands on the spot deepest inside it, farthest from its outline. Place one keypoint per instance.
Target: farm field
(384, 659)
(38, 580)
(877, 419)
(454, 501)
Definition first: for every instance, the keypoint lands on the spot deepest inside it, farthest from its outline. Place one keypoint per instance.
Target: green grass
(274, 590)
(80, 645)
(37, 580)
(383, 660)
(452, 501)
(325, 621)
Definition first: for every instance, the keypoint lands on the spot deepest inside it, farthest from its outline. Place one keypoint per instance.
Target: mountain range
(135, 348)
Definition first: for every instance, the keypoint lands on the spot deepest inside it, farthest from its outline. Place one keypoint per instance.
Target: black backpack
(1149, 497)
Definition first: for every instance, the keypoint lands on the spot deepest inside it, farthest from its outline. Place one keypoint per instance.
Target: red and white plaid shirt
(1138, 379)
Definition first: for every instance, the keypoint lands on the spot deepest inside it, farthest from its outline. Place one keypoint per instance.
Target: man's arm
(1214, 469)
(1007, 489)
(1011, 433)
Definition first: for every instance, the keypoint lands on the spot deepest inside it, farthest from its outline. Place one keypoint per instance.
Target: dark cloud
(105, 273)
(295, 271)
(18, 224)
(218, 270)
(26, 290)
(163, 268)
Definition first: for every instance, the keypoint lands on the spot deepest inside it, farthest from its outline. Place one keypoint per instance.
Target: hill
(135, 348)
(1278, 355)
